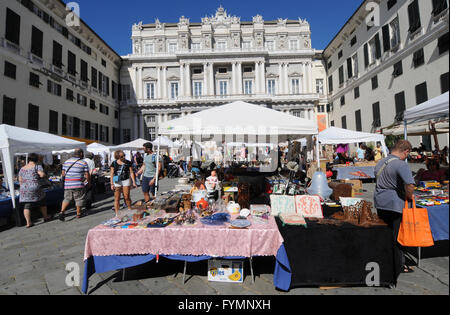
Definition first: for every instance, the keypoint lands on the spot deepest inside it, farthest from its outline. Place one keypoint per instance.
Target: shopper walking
(394, 186)
(75, 173)
(149, 169)
(31, 193)
(122, 180)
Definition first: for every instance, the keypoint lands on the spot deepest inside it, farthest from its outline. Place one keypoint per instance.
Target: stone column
(281, 79)
(142, 124)
(239, 75)
(304, 78)
(135, 127)
(158, 83)
(263, 77)
(205, 79)
(141, 84)
(211, 80)
(234, 78)
(182, 81)
(188, 80)
(257, 78)
(310, 78)
(286, 78)
(164, 82)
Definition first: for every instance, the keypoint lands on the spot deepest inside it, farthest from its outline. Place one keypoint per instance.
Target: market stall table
(110, 249)
(328, 255)
(355, 172)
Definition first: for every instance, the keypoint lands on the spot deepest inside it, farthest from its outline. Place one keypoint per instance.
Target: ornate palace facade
(177, 69)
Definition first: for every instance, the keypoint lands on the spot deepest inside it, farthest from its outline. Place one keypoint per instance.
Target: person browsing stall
(394, 185)
(150, 170)
(31, 193)
(122, 180)
(75, 173)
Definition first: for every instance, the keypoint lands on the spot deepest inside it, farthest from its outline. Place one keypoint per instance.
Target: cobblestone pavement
(33, 262)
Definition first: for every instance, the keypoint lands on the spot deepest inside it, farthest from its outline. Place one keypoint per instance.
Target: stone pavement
(33, 262)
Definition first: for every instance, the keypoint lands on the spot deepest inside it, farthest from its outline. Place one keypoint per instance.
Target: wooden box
(341, 190)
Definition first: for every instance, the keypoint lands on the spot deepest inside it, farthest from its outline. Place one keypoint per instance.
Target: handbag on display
(415, 228)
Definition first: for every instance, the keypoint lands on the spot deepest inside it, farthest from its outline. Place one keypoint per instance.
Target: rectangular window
(443, 44)
(332, 123)
(195, 47)
(223, 88)
(148, 49)
(391, 3)
(330, 84)
(33, 117)
(293, 44)
(330, 64)
(344, 122)
(76, 128)
(319, 87)
(57, 55)
(356, 92)
(37, 38)
(271, 87)
(439, 6)
(421, 93)
(71, 63)
(400, 105)
(12, 29)
(375, 82)
(376, 115)
(340, 54)
(150, 89)
(114, 90)
(34, 80)
(342, 100)
(172, 48)
(54, 88)
(398, 69)
(349, 68)
(221, 45)
(341, 75)
(358, 120)
(295, 86)
(53, 122)
(83, 70)
(444, 83)
(419, 58)
(174, 90)
(353, 41)
(94, 77)
(81, 100)
(246, 44)
(9, 111)
(104, 63)
(248, 87)
(270, 45)
(198, 88)
(69, 95)
(92, 105)
(10, 70)
(414, 17)
(126, 92)
(87, 130)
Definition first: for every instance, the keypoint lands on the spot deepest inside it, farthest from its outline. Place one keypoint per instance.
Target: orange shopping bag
(415, 228)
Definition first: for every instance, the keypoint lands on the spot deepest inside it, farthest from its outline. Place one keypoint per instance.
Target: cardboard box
(231, 271)
(356, 184)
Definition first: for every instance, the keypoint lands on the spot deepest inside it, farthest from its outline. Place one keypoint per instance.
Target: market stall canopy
(164, 142)
(432, 109)
(133, 145)
(15, 140)
(335, 135)
(417, 129)
(239, 118)
(97, 148)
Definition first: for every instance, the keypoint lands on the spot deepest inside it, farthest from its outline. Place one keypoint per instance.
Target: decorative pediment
(295, 74)
(173, 78)
(221, 18)
(272, 75)
(149, 78)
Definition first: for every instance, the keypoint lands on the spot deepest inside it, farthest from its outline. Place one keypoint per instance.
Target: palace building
(180, 68)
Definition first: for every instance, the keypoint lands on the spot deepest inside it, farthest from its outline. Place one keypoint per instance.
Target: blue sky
(113, 19)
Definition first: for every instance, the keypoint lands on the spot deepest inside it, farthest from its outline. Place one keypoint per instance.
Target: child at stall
(213, 180)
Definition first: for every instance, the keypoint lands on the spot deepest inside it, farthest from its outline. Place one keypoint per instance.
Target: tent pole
(405, 123)
(318, 151)
(157, 166)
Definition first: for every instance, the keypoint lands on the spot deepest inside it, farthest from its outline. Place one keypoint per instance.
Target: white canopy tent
(417, 129)
(335, 135)
(164, 142)
(135, 145)
(15, 140)
(433, 109)
(241, 119)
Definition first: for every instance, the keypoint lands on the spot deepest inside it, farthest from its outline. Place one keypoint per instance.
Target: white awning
(432, 109)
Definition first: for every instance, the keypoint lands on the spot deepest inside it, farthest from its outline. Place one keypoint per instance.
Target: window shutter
(349, 67)
(386, 38)
(377, 46)
(414, 16)
(439, 6)
(443, 44)
(444, 83)
(36, 42)
(9, 111)
(366, 55)
(421, 93)
(12, 31)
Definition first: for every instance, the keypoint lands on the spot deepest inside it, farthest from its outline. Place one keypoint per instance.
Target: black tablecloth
(324, 255)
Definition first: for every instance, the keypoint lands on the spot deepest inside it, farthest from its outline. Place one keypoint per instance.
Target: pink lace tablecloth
(197, 240)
